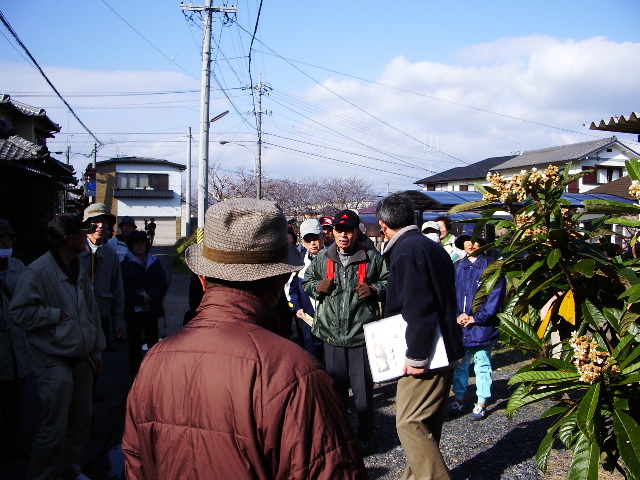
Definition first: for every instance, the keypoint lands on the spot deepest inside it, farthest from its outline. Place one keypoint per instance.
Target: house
(143, 188)
(606, 157)
(32, 183)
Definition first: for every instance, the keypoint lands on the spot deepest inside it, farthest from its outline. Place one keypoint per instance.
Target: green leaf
(553, 257)
(566, 429)
(592, 315)
(534, 396)
(534, 268)
(585, 267)
(634, 367)
(587, 413)
(611, 208)
(631, 357)
(555, 410)
(624, 221)
(623, 343)
(516, 328)
(613, 317)
(628, 440)
(542, 457)
(468, 206)
(627, 321)
(545, 284)
(537, 375)
(633, 293)
(633, 167)
(627, 380)
(585, 464)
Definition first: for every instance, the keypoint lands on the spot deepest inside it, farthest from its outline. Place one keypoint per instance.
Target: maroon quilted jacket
(226, 398)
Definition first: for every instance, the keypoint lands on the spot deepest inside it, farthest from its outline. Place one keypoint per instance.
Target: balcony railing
(142, 193)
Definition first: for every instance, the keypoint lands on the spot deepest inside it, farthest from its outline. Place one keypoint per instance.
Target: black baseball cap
(346, 218)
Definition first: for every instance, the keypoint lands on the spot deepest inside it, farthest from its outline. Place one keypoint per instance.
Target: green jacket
(340, 316)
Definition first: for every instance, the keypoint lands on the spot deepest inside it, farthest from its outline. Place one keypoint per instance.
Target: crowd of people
(231, 391)
(57, 316)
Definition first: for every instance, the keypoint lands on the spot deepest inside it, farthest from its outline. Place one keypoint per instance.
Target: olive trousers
(421, 407)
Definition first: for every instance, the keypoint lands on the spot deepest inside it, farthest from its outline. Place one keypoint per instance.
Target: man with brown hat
(54, 303)
(103, 266)
(225, 397)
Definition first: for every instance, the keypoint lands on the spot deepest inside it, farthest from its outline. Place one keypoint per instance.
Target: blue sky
(359, 88)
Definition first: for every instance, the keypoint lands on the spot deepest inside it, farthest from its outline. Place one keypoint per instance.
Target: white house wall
(165, 211)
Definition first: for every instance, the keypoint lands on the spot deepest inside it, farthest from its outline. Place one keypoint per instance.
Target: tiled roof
(21, 153)
(18, 148)
(622, 124)
(143, 160)
(28, 110)
(556, 155)
(618, 187)
(474, 171)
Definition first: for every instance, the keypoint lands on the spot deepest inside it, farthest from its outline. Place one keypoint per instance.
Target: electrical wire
(15, 35)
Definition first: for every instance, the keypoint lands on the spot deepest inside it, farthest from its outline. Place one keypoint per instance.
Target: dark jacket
(137, 278)
(421, 287)
(340, 316)
(483, 331)
(224, 397)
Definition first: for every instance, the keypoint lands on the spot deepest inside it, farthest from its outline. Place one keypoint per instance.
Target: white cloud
(538, 79)
(526, 81)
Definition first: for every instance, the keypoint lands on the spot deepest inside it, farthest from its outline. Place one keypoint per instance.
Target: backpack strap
(331, 271)
(362, 269)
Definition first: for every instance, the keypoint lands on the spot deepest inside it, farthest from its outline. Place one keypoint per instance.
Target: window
(156, 181)
(464, 188)
(601, 175)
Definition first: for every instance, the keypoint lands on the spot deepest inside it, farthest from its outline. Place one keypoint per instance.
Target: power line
(15, 35)
(425, 95)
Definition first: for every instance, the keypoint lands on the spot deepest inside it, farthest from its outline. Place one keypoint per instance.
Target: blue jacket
(483, 331)
(421, 288)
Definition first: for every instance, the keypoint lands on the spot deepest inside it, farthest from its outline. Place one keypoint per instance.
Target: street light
(258, 169)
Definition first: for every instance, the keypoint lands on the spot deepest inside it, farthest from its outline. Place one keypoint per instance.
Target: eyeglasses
(328, 227)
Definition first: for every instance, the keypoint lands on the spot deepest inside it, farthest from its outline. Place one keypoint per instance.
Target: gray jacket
(13, 340)
(43, 291)
(103, 268)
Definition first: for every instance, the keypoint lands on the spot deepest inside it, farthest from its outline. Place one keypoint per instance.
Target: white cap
(310, 226)
(430, 224)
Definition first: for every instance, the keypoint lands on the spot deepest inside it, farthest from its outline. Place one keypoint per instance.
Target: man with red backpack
(348, 280)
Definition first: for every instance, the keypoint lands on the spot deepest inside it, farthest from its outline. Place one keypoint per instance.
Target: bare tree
(297, 198)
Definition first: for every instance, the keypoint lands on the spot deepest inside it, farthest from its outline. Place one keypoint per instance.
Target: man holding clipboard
(421, 287)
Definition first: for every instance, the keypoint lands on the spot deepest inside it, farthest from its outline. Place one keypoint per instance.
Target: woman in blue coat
(145, 285)
(479, 331)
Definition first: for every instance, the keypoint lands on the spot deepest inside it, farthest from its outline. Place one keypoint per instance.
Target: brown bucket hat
(244, 240)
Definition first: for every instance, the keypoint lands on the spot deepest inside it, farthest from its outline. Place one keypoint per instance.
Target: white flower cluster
(591, 362)
(634, 189)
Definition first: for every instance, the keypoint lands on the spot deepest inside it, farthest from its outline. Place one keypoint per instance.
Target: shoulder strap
(362, 268)
(331, 273)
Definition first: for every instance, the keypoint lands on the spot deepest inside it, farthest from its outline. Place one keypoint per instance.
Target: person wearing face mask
(431, 230)
(14, 350)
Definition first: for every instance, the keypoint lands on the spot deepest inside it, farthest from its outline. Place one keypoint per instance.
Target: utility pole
(262, 88)
(203, 176)
(187, 226)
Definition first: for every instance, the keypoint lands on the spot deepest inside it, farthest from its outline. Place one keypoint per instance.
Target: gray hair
(396, 211)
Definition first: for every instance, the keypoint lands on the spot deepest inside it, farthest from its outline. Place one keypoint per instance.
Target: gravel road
(494, 448)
